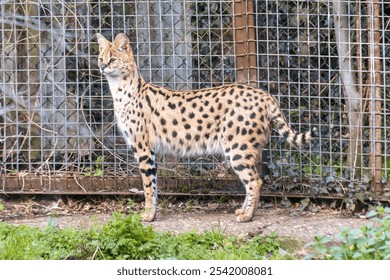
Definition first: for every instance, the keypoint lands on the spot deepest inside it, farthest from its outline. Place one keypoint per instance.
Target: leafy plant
(370, 242)
(125, 237)
(387, 164)
(1, 206)
(216, 245)
(98, 170)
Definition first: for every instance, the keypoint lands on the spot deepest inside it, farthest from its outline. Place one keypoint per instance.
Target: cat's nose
(102, 67)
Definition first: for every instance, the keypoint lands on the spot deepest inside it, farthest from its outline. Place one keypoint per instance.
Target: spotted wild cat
(232, 120)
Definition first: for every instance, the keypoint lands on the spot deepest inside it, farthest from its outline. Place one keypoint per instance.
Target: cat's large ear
(103, 42)
(122, 43)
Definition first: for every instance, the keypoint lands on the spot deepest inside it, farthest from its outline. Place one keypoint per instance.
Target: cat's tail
(279, 121)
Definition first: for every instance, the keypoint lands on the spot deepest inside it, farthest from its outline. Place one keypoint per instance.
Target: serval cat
(233, 120)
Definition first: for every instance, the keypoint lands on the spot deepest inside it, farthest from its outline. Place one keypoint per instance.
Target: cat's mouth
(102, 68)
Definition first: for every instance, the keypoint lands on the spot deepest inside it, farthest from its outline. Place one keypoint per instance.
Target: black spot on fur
(244, 147)
(249, 156)
(139, 85)
(149, 172)
(295, 138)
(237, 157)
(153, 90)
(150, 162)
(149, 102)
(171, 105)
(193, 97)
(240, 167)
(143, 158)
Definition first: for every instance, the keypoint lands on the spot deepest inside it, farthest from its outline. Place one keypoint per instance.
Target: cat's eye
(112, 60)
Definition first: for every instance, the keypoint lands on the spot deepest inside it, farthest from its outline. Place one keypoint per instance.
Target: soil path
(286, 222)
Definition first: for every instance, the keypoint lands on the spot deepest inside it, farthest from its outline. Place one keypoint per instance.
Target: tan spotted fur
(232, 120)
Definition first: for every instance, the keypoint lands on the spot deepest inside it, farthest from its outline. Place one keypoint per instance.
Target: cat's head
(115, 58)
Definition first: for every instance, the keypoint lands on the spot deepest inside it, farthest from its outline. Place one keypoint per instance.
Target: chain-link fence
(326, 61)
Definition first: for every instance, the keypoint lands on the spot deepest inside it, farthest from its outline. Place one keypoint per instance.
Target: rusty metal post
(245, 41)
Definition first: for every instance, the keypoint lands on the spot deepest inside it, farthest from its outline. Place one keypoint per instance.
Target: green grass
(125, 237)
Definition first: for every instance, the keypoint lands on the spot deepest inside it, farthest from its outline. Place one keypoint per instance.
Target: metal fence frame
(325, 60)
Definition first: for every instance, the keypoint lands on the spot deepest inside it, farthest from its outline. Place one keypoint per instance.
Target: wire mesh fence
(326, 61)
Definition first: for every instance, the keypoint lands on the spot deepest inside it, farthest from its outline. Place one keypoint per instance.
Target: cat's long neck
(128, 83)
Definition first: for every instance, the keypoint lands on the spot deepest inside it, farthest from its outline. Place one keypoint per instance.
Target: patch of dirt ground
(177, 217)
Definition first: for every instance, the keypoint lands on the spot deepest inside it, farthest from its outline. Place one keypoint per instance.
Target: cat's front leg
(148, 169)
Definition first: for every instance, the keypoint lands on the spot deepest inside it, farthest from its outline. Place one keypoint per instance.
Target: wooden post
(353, 97)
(376, 94)
(245, 44)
